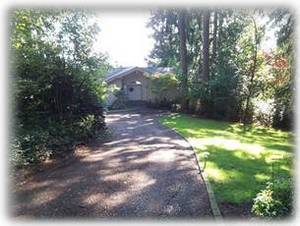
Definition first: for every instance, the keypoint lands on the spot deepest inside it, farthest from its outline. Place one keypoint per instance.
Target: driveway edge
(211, 195)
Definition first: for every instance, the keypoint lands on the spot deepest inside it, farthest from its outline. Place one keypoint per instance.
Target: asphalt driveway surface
(145, 170)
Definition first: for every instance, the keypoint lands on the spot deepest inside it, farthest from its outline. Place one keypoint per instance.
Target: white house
(136, 83)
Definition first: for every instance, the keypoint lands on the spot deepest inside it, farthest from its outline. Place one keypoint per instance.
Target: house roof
(123, 71)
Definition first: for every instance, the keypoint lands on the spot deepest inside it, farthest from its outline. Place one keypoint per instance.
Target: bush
(58, 89)
(88, 127)
(35, 144)
(162, 82)
(121, 101)
(165, 87)
(30, 147)
(276, 200)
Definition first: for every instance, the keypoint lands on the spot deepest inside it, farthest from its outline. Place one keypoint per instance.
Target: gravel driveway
(146, 170)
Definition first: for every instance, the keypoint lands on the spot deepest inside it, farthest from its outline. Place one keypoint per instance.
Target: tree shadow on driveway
(144, 171)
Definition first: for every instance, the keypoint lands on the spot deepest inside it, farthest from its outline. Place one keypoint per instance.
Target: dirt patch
(27, 173)
(236, 211)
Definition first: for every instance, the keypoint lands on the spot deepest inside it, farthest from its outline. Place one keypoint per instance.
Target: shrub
(276, 200)
(30, 147)
(164, 86)
(89, 126)
(37, 143)
(121, 100)
(58, 90)
(161, 83)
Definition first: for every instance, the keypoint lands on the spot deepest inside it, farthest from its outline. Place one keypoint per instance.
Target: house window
(130, 89)
(136, 82)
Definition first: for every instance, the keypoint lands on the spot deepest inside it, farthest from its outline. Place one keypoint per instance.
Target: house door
(134, 92)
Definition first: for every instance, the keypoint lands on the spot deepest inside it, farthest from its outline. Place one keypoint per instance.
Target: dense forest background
(222, 68)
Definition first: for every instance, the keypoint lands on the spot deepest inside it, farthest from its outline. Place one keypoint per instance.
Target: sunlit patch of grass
(216, 173)
(241, 159)
(261, 177)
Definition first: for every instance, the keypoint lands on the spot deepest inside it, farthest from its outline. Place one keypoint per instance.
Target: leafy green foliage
(163, 85)
(241, 73)
(166, 51)
(276, 200)
(121, 99)
(58, 85)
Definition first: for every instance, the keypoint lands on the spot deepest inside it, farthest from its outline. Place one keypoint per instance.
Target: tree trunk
(199, 20)
(183, 56)
(220, 24)
(214, 47)
(252, 75)
(205, 67)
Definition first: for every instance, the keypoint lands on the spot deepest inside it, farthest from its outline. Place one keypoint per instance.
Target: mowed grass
(241, 160)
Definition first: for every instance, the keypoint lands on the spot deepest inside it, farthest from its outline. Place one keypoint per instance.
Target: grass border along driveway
(240, 160)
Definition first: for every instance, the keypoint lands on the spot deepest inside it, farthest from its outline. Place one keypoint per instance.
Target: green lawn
(240, 161)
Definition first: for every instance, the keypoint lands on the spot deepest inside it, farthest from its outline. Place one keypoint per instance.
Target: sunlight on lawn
(241, 160)
(227, 144)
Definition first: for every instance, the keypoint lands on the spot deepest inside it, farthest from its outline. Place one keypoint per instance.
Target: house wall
(128, 81)
(146, 91)
(137, 76)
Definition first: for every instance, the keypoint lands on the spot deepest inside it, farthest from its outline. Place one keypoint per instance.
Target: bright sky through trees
(127, 41)
(124, 37)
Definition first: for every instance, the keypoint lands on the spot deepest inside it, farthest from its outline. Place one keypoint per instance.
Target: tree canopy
(223, 62)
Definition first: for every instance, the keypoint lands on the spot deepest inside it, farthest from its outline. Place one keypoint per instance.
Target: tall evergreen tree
(183, 56)
(205, 72)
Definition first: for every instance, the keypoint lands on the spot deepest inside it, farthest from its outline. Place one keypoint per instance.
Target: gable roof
(123, 71)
